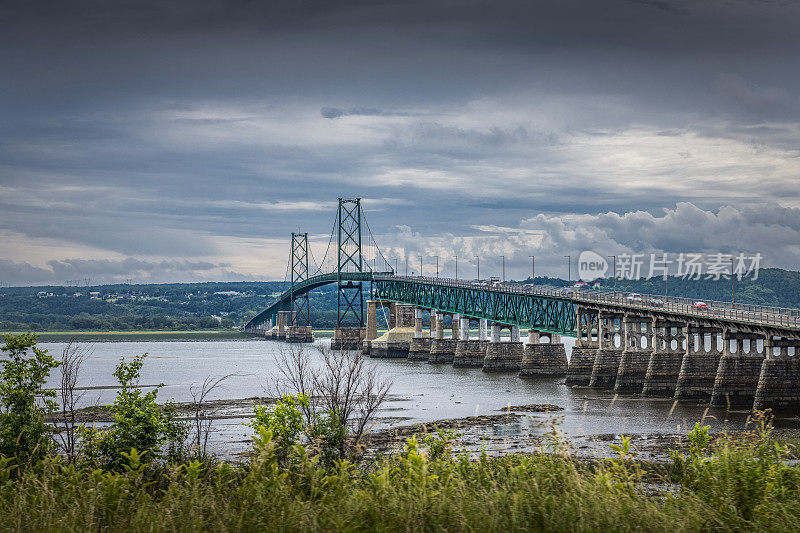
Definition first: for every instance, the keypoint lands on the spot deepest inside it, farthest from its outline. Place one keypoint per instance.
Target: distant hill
(192, 306)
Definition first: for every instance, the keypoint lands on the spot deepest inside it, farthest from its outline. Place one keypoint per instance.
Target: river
(420, 393)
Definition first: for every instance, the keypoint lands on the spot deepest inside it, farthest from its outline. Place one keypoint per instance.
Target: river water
(420, 392)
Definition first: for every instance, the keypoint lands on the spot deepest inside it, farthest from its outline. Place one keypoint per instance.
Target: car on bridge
(655, 302)
(700, 305)
(634, 297)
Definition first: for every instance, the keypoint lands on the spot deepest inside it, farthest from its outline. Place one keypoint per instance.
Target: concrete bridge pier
(503, 356)
(285, 319)
(543, 359)
(584, 352)
(372, 324)
(348, 338)
(700, 363)
(470, 352)
(609, 352)
(779, 380)
(665, 363)
(396, 342)
(443, 350)
(738, 371)
(420, 346)
(637, 354)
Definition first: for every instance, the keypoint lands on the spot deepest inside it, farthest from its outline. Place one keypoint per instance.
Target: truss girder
(526, 310)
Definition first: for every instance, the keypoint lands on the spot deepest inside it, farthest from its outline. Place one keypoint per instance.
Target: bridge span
(732, 355)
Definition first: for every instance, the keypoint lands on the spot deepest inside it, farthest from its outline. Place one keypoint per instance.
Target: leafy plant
(23, 401)
(140, 424)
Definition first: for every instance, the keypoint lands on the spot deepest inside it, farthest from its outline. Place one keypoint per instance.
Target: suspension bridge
(732, 355)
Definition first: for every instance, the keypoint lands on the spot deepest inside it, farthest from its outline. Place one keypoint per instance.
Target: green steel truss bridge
(356, 259)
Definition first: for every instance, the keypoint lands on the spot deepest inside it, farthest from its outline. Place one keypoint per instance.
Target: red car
(700, 305)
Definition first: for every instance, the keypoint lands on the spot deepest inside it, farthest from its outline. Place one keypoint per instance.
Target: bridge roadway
(497, 304)
(546, 309)
(734, 355)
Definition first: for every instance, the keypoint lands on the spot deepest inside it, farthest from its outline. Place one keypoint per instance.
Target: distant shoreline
(115, 336)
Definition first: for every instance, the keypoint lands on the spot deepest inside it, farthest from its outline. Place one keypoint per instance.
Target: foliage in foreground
(745, 486)
(23, 400)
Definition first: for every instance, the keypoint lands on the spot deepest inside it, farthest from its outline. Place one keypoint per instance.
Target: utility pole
(479, 267)
(569, 268)
(504, 268)
(615, 271)
(533, 270)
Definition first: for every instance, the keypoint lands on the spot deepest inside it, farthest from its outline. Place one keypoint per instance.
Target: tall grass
(730, 487)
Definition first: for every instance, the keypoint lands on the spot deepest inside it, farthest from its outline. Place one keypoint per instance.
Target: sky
(178, 140)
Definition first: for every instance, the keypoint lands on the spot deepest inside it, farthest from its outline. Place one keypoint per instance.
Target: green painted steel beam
(532, 311)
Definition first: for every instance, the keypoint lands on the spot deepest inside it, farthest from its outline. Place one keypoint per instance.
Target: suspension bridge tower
(300, 328)
(350, 330)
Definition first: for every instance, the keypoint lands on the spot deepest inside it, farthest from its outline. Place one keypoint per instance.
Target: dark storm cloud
(173, 130)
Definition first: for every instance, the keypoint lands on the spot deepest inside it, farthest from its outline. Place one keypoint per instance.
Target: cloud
(335, 112)
(767, 229)
(66, 271)
(207, 131)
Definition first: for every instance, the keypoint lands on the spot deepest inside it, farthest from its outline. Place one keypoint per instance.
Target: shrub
(140, 424)
(23, 402)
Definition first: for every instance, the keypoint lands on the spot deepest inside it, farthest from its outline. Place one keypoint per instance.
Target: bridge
(731, 355)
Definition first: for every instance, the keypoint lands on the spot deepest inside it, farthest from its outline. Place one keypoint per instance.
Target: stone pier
(443, 350)
(285, 319)
(779, 380)
(636, 356)
(665, 363)
(348, 338)
(543, 359)
(420, 347)
(700, 363)
(738, 371)
(299, 334)
(503, 356)
(584, 352)
(396, 342)
(606, 362)
(470, 352)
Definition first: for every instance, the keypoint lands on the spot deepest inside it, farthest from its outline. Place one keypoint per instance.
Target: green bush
(140, 424)
(23, 401)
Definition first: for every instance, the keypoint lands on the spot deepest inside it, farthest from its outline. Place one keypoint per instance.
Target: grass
(727, 486)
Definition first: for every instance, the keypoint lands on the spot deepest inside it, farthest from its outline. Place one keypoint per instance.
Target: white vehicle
(634, 297)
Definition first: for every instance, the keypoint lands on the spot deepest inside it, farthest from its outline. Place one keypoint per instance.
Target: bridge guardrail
(756, 314)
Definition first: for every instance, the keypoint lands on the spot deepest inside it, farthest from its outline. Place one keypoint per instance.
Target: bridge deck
(549, 309)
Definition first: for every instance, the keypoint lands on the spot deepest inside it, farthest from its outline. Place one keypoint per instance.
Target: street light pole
(533, 270)
(731, 280)
(569, 267)
(420, 265)
(615, 271)
(456, 267)
(504, 268)
(437, 265)
(479, 267)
